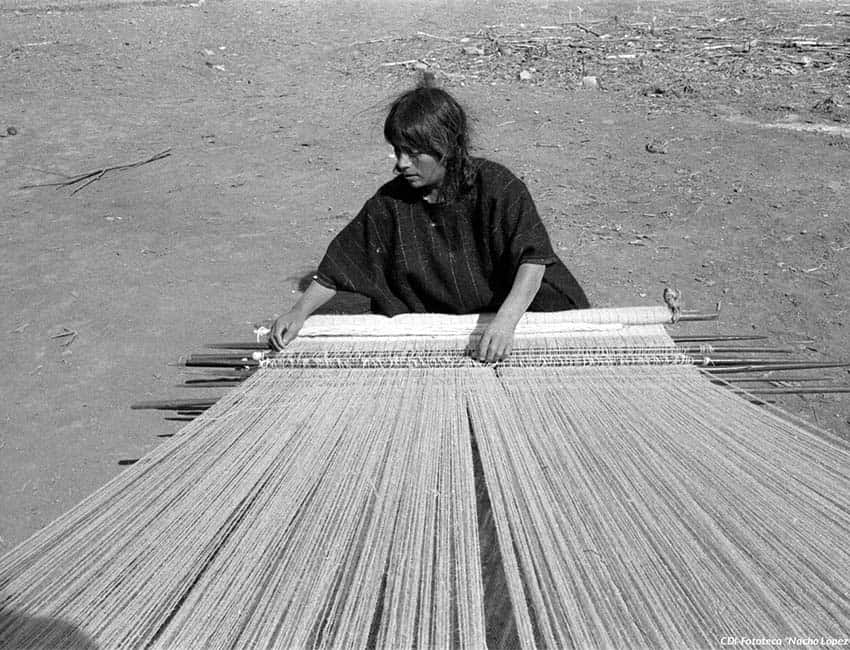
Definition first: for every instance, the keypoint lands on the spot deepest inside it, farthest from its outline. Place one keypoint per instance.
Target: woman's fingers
(277, 338)
(274, 339)
(497, 350)
(283, 331)
(484, 346)
(290, 333)
(495, 346)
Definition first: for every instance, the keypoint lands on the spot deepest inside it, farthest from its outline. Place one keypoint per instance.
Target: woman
(450, 234)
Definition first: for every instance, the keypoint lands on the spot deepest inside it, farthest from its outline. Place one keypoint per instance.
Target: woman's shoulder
(492, 176)
(386, 203)
(393, 191)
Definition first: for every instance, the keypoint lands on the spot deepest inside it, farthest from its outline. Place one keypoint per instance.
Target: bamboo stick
(696, 315)
(780, 380)
(245, 345)
(765, 366)
(176, 404)
(796, 390)
(697, 338)
(764, 349)
(713, 361)
(220, 363)
(220, 355)
(212, 382)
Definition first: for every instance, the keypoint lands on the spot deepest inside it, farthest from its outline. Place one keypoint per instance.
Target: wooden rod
(219, 363)
(706, 361)
(211, 383)
(697, 338)
(176, 404)
(247, 345)
(794, 390)
(791, 378)
(740, 349)
(767, 366)
(219, 355)
(223, 372)
(695, 315)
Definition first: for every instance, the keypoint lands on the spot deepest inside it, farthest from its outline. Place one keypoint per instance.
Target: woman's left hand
(497, 341)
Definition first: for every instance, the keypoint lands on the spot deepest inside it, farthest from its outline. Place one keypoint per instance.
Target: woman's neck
(432, 195)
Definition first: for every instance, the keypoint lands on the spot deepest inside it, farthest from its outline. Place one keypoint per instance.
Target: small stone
(526, 75)
(590, 83)
(656, 146)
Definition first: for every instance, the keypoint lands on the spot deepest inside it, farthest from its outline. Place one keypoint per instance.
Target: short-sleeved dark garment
(408, 255)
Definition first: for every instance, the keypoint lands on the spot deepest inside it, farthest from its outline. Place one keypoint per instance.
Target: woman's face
(420, 170)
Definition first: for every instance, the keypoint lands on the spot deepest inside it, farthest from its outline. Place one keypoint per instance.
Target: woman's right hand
(285, 329)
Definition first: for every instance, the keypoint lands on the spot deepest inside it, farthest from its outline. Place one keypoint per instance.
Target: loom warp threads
(530, 505)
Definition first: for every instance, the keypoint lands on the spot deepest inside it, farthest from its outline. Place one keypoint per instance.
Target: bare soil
(711, 156)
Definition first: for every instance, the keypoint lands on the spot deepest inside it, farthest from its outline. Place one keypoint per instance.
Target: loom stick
(265, 348)
(695, 315)
(233, 372)
(712, 361)
(697, 338)
(795, 390)
(247, 345)
(773, 379)
(220, 363)
(219, 355)
(202, 383)
(175, 404)
(681, 338)
(708, 361)
(740, 349)
(213, 379)
(239, 359)
(767, 366)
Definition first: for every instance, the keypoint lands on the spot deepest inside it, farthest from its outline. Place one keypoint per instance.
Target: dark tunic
(408, 255)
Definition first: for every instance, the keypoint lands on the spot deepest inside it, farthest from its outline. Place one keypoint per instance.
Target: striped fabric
(408, 255)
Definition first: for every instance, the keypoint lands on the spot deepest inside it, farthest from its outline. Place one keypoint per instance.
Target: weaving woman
(450, 234)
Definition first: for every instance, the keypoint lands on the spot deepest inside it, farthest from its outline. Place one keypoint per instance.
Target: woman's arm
(287, 326)
(498, 338)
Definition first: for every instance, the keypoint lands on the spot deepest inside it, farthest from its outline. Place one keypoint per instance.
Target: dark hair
(429, 120)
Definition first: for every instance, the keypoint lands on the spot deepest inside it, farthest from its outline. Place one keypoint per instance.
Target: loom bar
(698, 316)
(175, 404)
(796, 390)
(247, 345)
(779, 380)
(697, 338)
(680, 338)
(709, 361)
(219, 363)
(777, 365)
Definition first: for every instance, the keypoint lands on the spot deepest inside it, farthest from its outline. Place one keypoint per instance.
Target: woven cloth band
(532, 323)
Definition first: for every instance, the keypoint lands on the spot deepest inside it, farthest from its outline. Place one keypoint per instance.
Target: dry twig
(90, 177)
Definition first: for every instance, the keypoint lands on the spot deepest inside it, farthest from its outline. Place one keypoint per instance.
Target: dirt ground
(711, 156)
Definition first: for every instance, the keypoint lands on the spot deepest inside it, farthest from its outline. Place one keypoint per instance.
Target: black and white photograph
(430, 325)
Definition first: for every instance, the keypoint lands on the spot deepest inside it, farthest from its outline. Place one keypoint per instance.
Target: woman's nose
(402, 161)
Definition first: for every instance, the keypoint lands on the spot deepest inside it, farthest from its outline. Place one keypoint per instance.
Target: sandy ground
(272, 114)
